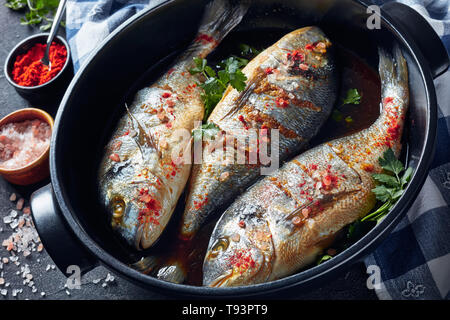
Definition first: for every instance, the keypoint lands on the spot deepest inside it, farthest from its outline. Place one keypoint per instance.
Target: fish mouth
(221, 280)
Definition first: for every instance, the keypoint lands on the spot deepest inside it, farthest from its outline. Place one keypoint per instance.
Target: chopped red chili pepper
(281, 102)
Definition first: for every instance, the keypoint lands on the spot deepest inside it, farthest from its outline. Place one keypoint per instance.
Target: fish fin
(172, 273)
(221, 16)
(143, 137)
(241, 100)
(147, 264)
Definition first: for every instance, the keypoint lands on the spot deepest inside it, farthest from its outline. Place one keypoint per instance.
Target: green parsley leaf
(324, 258)
(200, 65)
(386, 179)
(390, 163)
(383, 193)
(352, 97)
(207, 130)
(407, 176)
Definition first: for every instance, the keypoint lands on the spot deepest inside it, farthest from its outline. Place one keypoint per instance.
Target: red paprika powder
(28, 69)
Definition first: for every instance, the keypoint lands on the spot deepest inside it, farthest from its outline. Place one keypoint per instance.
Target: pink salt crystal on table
(13, 197)
(26, 210)
(19, 204)
(23, 142)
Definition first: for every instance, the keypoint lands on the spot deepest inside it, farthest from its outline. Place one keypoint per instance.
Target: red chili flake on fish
(166, 95)
(170, 103)
(281, 102)
(309, 46)
(241, 224)
(387, 100)
(367, 167)
(241, 119)
(114, 157)
(313, 166)
(199, 204)
(152, 207)
(297, 56)
(204, 38)
(241, 259)
(269, 70)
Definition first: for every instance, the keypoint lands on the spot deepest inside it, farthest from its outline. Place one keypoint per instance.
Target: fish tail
(393, 72)
(221, 16)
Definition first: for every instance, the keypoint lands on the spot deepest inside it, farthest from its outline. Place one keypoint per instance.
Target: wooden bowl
(38, 169)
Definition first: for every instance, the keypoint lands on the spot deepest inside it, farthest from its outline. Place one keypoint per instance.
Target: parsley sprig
(37, 11)
(391, 186)
(216, 83)
(352, 97)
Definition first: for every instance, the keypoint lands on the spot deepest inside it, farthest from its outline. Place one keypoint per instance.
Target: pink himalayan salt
(19, 204)
(23, 142)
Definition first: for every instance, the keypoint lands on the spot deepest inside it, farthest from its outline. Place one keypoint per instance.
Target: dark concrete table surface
(350, 285)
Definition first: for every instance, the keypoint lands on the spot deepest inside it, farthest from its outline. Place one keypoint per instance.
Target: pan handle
(423, 35)
(58, 240)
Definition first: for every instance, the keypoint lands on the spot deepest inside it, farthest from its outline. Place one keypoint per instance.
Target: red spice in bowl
(28, 69)
(23, 142)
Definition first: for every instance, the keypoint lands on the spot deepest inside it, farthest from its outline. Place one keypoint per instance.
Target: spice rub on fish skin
(139, 181)
(283, 222)
(292, 87)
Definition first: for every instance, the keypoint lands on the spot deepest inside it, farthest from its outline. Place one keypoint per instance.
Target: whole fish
(139, 181)
(291, 86)
(284, 221)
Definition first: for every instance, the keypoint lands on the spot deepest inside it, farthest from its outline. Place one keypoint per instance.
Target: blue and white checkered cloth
(414, 261)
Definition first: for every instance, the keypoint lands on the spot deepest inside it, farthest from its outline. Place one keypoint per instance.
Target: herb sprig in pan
(216, 83)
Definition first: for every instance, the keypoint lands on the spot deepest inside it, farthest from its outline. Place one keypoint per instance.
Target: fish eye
(118, 207)
(220, 245)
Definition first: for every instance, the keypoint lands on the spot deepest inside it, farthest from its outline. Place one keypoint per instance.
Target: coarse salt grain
(19, 204)
(13, 197)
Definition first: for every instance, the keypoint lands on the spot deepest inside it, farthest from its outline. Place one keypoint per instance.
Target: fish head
(240, 250)
(133, 208)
